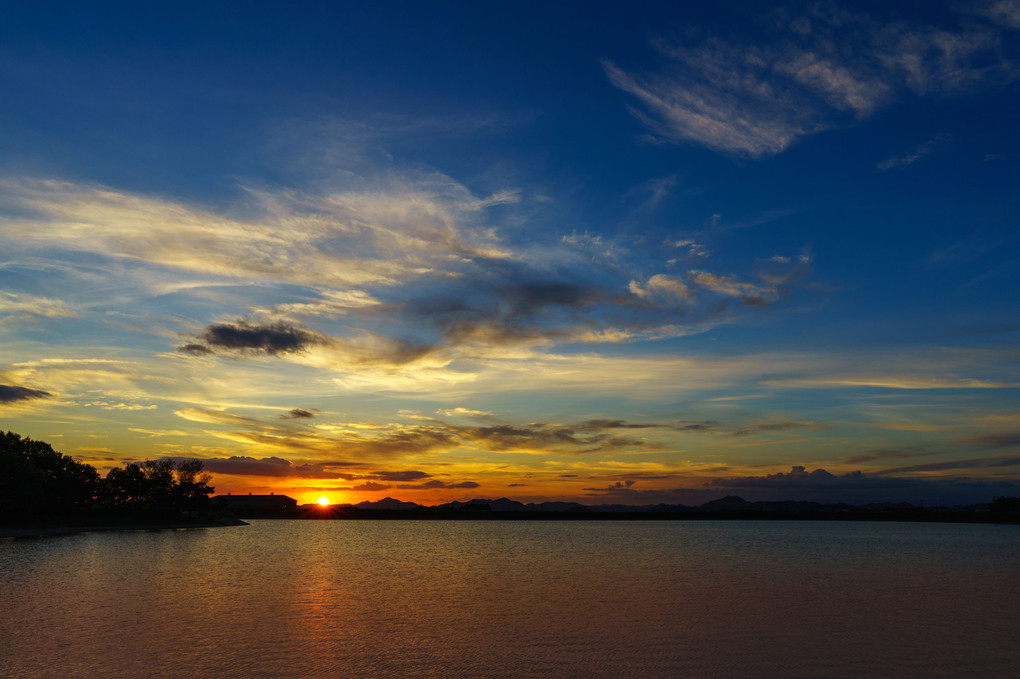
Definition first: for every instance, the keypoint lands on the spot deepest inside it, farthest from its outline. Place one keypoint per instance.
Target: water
(309, 599)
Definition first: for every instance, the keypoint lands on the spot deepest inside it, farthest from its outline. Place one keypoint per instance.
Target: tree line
(37, 481)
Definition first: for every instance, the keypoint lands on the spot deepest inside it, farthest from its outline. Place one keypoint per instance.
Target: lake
(449, 599)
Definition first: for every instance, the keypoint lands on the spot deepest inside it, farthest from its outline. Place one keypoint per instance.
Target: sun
(324, 501)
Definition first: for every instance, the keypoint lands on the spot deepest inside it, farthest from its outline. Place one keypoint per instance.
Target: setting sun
(324, 501)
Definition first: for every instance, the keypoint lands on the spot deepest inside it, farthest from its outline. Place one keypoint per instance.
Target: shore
(51, 531)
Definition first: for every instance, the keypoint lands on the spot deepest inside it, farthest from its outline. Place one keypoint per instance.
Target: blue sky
(607, 253)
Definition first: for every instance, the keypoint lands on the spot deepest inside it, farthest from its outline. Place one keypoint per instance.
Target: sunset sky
(600, 252)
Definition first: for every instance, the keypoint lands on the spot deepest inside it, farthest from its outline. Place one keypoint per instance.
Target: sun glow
(324, 501)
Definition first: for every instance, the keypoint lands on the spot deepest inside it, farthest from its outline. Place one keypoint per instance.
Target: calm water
(309, 599)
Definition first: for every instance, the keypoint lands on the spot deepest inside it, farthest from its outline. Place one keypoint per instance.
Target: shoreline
(56, 531)
(348, 513)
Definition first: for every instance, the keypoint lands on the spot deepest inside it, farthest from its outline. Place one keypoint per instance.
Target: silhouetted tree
(159, 477)
(1004, 504)
(193, 489)
(35, 479)
(154, 485)
(125, 487)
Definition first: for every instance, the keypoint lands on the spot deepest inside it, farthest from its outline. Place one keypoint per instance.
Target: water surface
(516, 599)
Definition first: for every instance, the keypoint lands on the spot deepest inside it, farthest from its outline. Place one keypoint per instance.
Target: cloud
(277, 338)
(435, 484)
(401, 271)
(107, 405)
(370, 485)
(728, 286)
(884, 454)
(1005, 12)
(828, 68)
(858, 488)
(284, 339)
(364, 442)
(242, 465)
(663, 286)
(466, 412)
(620, 487)
(935, 143)
(32, 305)
(778, 426)
(13, 394)
(894, 382)
(972, 463)
(195, 349)
(382, 233)
(396, 476)
(1008, 439)
(298, 414)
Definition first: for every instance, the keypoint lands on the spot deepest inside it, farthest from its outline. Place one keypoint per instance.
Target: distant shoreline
(349, 513)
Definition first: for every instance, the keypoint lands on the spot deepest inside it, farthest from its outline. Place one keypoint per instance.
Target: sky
(598, 252)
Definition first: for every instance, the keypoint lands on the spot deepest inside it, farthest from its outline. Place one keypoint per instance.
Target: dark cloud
(600, 424)
(391, 444)
(975, 463)
(501, 302)
(298, 414)
(433, 484)
(695, 427)
(488, 303)
(269, 338)
(399, 475)
(882, 454)
(371, 485)
(13, 394)
(858, 488)
(278, 467)
(620, 487)
(800, 484)
(797, 476)
(503, 305)
(1009, 439)
(195, 349)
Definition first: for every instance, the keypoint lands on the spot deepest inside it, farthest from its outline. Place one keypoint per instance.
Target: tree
(1005, 504)
(193, 489)
(158, 485)
(125, 487)
(35, 479)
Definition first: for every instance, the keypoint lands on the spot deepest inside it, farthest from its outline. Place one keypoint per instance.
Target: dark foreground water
(310, 599)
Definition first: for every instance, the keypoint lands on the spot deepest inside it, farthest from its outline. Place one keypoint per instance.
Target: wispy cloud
(887, 454)
(1008, 439)
(405, 270)
(33, 305)
(935, 143)
(829, 67)
(376, 235)
(971, 463)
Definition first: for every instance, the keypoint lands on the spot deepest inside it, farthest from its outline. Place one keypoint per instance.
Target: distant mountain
(388, 503)
(557, 507)
(732, 503)
(501, 505)
(728, 504)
